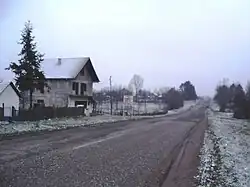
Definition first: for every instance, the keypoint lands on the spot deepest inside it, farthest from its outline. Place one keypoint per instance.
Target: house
(9, 98)
(70, 83)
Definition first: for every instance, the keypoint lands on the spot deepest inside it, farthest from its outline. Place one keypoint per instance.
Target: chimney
(59, 61)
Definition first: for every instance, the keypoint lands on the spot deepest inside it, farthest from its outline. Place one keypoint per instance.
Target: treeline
(174, 98)
(234, 98)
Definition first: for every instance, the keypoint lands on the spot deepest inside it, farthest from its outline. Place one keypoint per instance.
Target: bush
(234, 98)
(174, 99)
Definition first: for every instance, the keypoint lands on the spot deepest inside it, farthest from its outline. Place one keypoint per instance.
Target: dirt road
(153, 152)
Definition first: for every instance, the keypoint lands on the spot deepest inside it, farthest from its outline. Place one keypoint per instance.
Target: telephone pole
(110, 95)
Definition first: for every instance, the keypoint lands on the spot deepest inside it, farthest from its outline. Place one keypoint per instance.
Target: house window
(77, 88)
(83, 88)
(74, 86)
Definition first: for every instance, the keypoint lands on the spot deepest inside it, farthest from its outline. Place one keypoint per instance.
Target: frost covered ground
(64, 123)
(225, 153)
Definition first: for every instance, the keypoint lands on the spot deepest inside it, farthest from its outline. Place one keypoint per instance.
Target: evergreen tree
(222, 96)
(188, 91)
(248, 91)
(239, 99)
(248, 99)
(28, 74)
(240, 103)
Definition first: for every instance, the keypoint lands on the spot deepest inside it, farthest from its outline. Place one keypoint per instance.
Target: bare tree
(135, 85)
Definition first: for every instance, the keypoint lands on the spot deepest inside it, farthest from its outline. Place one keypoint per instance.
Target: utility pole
(110, 95)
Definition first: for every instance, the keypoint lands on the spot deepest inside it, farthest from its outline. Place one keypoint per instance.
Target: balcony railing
(86, 93)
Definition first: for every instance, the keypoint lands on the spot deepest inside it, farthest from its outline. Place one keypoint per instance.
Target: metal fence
(119, 108)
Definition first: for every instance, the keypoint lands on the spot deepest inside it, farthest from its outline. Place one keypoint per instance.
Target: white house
(70, 82)
(9, 97)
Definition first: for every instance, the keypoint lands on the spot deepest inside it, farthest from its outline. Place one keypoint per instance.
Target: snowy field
(225, 153)
(64, 123)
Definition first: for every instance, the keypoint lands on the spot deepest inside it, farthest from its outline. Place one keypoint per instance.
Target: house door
(83, 103)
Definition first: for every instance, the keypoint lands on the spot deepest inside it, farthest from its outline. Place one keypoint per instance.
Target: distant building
(70, 82)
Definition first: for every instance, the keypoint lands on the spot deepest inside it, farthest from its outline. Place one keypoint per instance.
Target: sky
(166, 42)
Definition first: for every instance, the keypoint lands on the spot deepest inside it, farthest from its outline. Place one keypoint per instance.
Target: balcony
(85, 93)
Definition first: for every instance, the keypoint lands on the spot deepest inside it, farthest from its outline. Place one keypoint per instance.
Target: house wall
(59, 92)
(87, 80)
(9, 98)
(56, 95)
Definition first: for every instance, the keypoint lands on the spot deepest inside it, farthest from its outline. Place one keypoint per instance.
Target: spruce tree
(28, 74)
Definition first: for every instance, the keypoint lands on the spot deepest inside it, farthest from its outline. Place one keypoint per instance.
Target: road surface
(153, 152)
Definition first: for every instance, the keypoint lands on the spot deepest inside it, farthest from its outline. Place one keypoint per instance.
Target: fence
(135, 109)
(40, 113)
(1, 113)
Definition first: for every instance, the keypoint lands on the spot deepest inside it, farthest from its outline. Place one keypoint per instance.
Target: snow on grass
(64, 123)
(224, 155)
(187, 105)
(54, 124)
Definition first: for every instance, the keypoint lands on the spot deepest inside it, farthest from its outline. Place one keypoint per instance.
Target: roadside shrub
(235, 99)
(174, 99)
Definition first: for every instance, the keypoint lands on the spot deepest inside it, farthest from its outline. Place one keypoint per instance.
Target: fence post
(3, 110)
(13, 111)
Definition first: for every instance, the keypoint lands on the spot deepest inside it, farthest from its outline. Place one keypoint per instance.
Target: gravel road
(153, 152)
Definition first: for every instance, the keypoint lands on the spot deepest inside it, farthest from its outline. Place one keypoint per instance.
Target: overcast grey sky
(165, 41)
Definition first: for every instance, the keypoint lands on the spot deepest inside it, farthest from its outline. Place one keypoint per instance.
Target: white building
(70, 82)
(9, 97)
